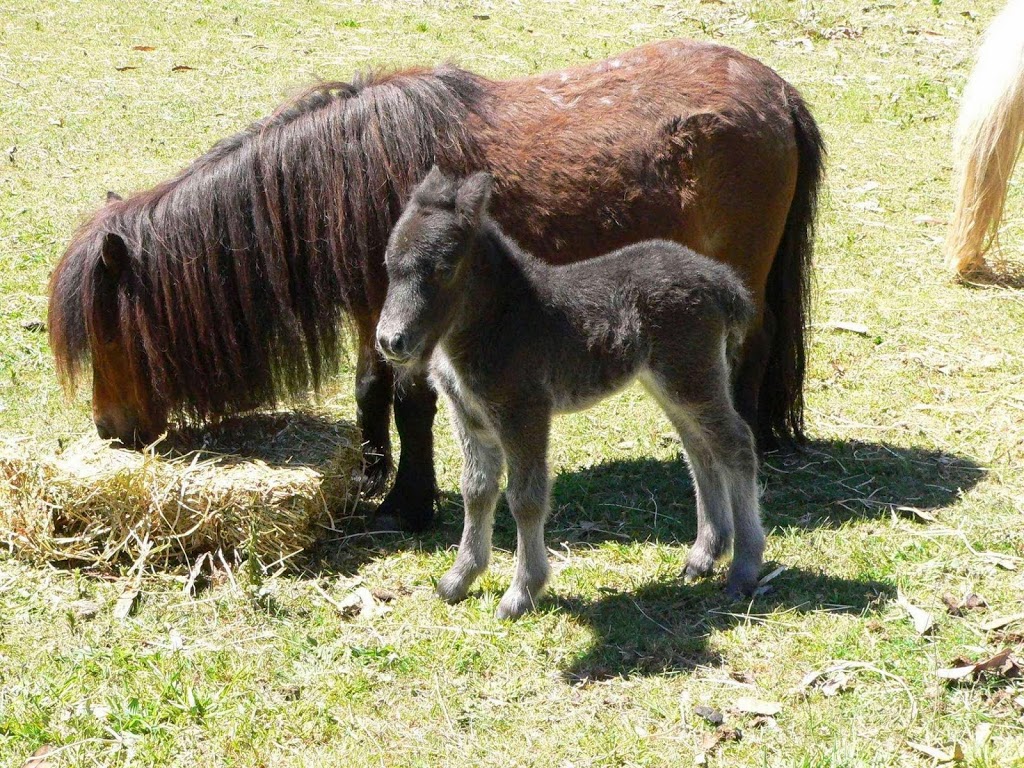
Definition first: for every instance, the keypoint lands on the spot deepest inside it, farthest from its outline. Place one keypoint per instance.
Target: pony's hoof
(453, 587)
(374, 477)
(411, 511)
(385, 524)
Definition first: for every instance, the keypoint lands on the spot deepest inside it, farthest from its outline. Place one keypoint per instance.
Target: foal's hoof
(698, 566)
(514, 604)
(453, 587)
(406, 511)
(742, 583)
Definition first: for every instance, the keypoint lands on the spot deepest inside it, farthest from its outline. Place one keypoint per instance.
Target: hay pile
(265, 483)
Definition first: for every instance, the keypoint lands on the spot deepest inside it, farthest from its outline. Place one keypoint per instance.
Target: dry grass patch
(266, 484)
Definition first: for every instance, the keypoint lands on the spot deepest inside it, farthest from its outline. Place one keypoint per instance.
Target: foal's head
(427, 260)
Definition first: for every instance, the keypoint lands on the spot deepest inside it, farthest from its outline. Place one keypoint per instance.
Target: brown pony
(225, 288)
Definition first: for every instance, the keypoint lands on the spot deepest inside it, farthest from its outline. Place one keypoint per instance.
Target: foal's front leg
(481, 472)
(525, 440)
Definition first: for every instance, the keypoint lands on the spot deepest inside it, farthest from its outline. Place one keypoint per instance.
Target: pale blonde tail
(987, 142)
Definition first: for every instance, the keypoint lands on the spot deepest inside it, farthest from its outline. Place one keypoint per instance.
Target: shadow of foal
(665, 625)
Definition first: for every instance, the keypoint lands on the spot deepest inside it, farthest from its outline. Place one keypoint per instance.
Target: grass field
(923, 412)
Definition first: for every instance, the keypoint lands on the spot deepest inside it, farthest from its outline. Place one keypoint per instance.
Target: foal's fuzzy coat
(511, 341)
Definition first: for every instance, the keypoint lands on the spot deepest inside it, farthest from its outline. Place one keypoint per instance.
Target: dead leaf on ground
(711, 741)
(125, 69)
(923, 621)
(143, 48)
(181, 68)
(127, 602)
(359, 602)
(858, 328)
(915, 513)
(712, 715)
(1002, 621)
(831, 681)
(1004, 664)
(754, 706)
(970, 602)
(33, 326)
(38, 758)
(841, 33)
(84, 609)
(939, 755)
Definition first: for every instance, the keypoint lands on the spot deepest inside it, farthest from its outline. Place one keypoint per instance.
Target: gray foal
(511, 341)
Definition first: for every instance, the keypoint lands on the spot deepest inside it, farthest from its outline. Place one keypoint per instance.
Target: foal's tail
(987, 141)
(780, 414)
(732, 297)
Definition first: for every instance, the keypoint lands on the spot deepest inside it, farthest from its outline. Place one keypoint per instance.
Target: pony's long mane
(244, 265)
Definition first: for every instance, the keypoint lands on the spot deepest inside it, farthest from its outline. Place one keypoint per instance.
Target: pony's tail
(987, 141)
(780, 414)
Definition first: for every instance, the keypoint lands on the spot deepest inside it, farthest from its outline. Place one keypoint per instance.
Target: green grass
(926, 411)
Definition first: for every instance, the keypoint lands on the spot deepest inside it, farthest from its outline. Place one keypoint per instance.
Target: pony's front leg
(481, 471)
(374, 386)
(410, 502)
(525, 442)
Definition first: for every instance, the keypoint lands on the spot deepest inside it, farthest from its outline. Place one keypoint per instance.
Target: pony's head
(93, 297)
(427, 260)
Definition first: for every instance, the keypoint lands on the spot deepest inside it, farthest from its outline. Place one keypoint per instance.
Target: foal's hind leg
(481, 471)
(720, 450)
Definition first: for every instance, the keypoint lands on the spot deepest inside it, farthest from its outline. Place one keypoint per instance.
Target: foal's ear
(113, 196)
(473, 195)
(114, 254)
(434, 184)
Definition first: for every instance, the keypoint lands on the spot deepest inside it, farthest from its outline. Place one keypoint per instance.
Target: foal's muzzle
(394, 346)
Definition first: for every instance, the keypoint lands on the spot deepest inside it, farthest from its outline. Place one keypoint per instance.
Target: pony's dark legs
(374, 388)
(410, 502)
(748, 377)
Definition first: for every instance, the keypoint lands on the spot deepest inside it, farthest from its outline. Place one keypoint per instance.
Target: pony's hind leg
(528, 493)
(481, 471)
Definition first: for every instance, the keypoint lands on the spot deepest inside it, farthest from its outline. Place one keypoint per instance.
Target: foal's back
(584, 330)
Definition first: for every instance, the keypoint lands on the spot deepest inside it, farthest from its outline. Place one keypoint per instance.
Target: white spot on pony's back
(615, 63)
(607, 100)
(563, 76)
(559, 101)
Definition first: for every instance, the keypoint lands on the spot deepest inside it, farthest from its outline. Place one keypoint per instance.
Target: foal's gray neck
(500, 275)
